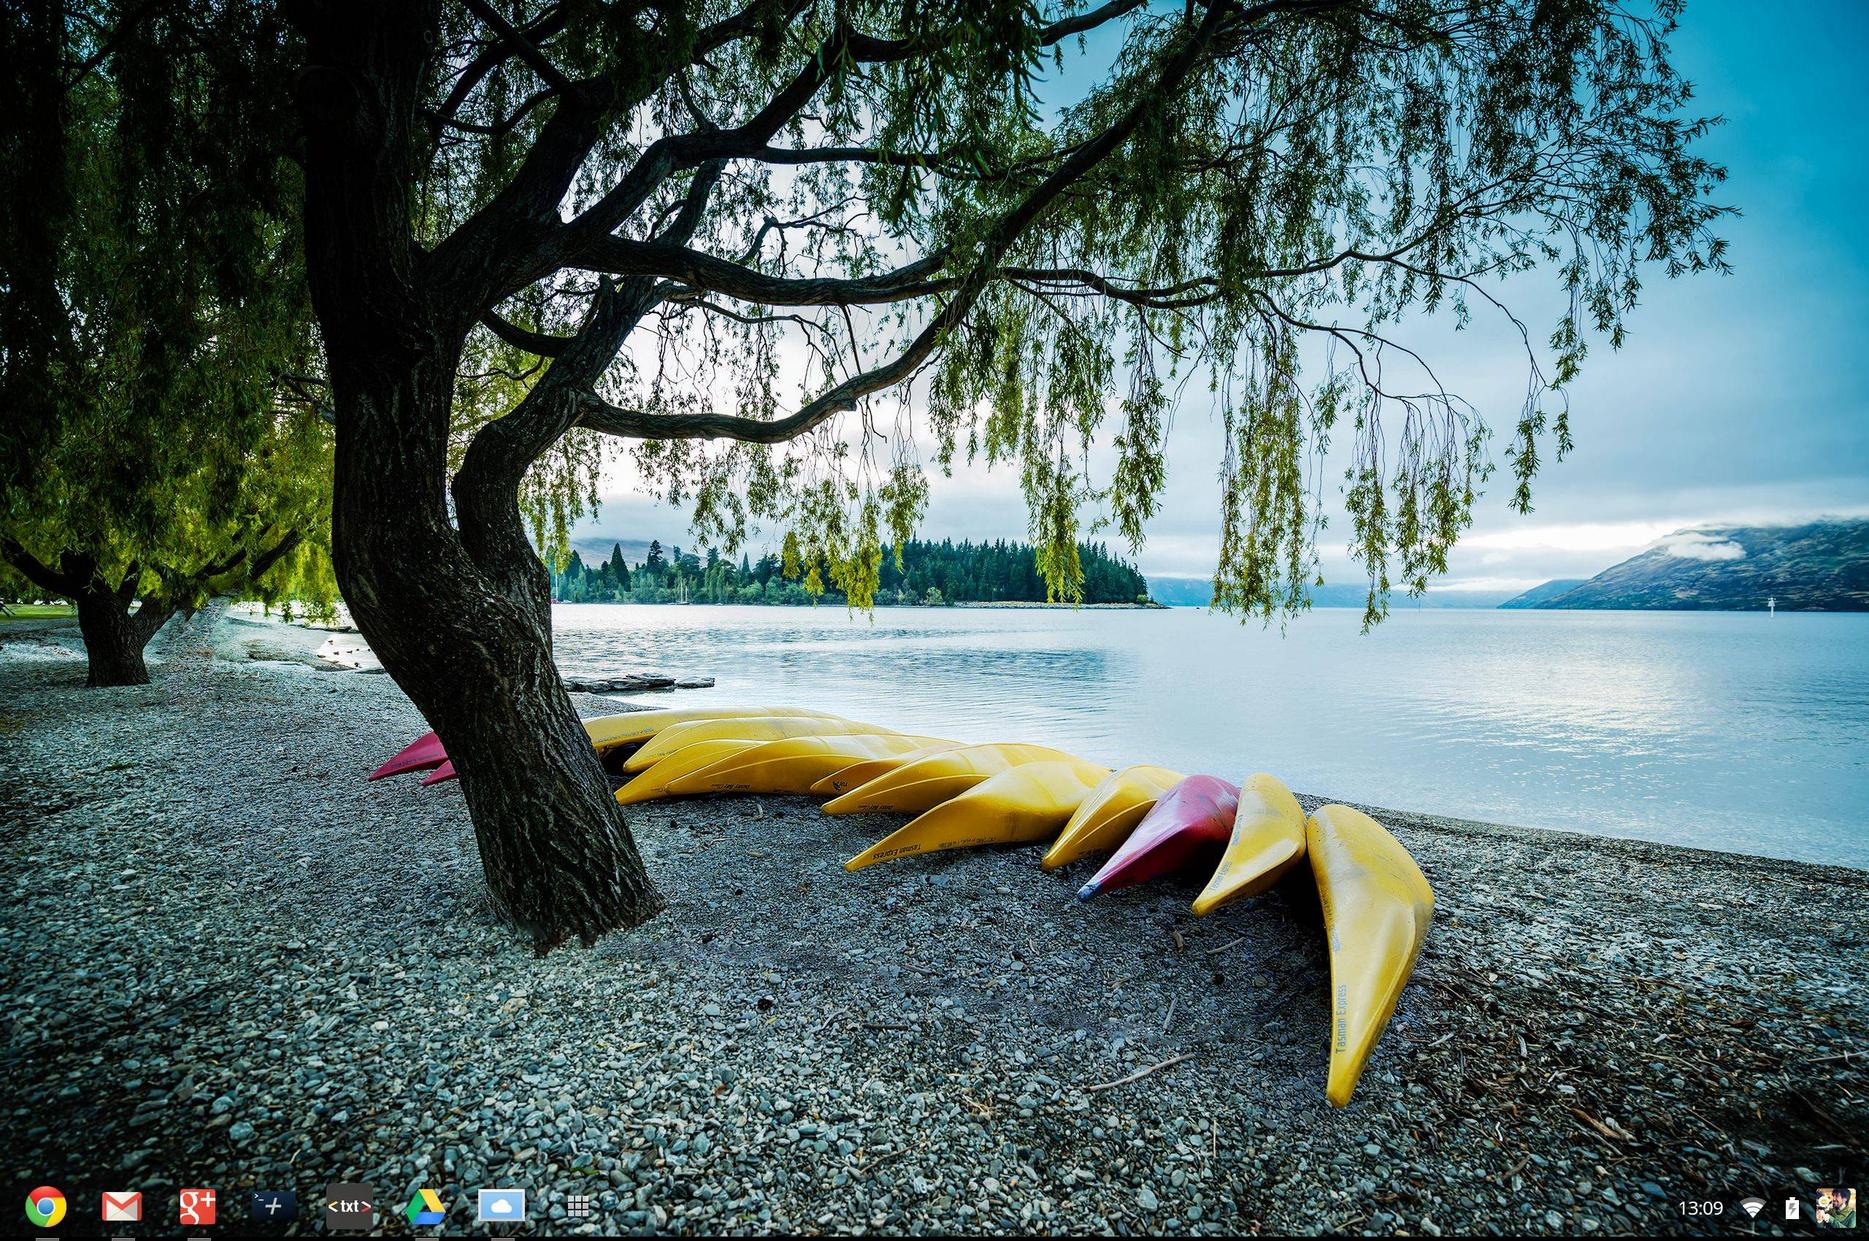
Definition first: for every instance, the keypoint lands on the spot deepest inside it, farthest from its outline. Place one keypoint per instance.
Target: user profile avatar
(1836, 1208)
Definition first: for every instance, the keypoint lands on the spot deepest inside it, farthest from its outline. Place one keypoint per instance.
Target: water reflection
(1722, 730)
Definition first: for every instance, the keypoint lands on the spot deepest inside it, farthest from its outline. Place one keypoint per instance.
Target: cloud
(1697, 545)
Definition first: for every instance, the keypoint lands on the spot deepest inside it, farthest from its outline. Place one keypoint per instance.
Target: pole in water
(1771, 605)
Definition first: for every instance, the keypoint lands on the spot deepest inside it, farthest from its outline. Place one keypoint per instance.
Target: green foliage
(167, 306)
(1255, 201)
(907, 573)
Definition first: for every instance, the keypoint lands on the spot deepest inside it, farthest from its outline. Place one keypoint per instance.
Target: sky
(1735, 400)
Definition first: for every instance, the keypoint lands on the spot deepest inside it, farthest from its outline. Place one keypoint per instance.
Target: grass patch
(35, 611)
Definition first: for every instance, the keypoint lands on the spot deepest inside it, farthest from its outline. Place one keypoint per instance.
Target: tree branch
(528, 51)
(273, 555)
(543, 344)
(622, 256)
(599, 415)
(544, 28)
(37, 571)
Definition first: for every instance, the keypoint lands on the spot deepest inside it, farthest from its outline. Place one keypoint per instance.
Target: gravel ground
(230, 961)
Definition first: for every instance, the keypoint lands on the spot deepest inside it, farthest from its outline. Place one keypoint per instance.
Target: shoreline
(318, 991)
(879, 607)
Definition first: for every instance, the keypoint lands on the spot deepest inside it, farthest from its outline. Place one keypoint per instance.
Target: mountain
(1182, 592)
(1538, 595)
(1816, 567)
(1197, 592)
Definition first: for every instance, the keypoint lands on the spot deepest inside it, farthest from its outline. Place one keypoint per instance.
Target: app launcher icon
(502, 1206)
(425, 1209)
(349, 1207)
(275, 1206)
(197, 1207)
(122, 1206)
(45, 1206)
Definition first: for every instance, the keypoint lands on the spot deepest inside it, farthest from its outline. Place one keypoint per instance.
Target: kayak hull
(1192, 818)
(746, 728)
(856, 774)
(424, 752)
(924, 784)
(1019, 805)
(610, 732)
(1106, 817)
(792, 764)
(607, 732)
(1267, 841)
(654, 782)
(1377, 906)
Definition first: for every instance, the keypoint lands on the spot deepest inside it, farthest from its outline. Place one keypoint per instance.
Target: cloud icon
(502, 1205)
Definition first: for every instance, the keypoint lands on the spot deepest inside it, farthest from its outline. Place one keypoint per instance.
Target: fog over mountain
(1813, 567)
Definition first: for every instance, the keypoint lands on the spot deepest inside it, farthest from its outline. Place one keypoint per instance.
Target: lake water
(1735, 731)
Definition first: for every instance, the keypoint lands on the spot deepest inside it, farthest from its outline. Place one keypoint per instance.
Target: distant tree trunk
(114, 636)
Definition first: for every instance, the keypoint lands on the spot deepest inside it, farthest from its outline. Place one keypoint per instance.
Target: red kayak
(444, 772)
(1193, 817)
(424, 751)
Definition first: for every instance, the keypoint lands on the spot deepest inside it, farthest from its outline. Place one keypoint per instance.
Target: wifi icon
(1752, 1206)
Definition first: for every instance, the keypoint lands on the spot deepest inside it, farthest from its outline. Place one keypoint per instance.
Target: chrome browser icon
(425, 1209)
(45, 1206)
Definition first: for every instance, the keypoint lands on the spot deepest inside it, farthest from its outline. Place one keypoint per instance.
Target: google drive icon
(425, 1209)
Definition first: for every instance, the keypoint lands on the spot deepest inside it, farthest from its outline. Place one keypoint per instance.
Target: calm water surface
(1730, 731)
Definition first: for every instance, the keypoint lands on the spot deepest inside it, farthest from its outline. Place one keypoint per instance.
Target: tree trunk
(114, 636)
(470, 644)
(460, 619)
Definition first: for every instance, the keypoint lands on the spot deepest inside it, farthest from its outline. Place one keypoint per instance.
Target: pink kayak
(444, 772)
(424, 751)
(1193, 817)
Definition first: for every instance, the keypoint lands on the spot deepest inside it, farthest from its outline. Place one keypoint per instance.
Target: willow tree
(737, 235)
(152, 299)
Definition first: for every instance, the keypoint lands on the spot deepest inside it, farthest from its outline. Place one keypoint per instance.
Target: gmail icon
(121, 1206)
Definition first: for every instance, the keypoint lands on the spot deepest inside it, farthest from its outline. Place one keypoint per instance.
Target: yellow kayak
(1377, 906)
(607, 732)
(791, 765)
(927, 782)
(653, 782)
(1109, 814)
(757, 728)
(846, 778)
(1022, 804)
(1268, 840)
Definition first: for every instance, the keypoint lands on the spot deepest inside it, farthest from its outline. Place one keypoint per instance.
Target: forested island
(931, 574)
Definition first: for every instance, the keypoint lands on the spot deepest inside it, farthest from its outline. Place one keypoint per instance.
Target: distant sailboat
(682, 597)
(1771, 605)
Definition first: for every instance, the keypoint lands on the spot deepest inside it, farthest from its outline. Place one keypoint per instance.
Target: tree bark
(114, 636)
(470, 643)
(459, 617)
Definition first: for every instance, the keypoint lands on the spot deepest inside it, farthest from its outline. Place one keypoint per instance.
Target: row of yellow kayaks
(1149, 821)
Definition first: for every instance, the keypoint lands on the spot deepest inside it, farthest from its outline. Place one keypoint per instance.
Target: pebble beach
(230, 960)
